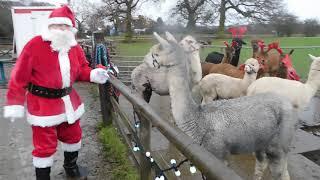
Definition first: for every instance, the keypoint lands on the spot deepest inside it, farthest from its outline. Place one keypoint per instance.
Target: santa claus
(42, 78)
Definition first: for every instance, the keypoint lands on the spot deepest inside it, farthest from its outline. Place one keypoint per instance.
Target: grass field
(300, 57)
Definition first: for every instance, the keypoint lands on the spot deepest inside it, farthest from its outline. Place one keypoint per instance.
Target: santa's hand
(99, 76)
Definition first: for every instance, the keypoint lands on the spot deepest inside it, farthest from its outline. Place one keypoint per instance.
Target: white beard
(61, 41)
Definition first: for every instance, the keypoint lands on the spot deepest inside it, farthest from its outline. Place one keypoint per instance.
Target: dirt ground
(16, 144)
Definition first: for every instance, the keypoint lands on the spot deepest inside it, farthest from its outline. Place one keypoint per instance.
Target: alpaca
(276, 63)
(236, 57)
(217, 58)
(299, 94)
(264, 124)
(226, 69)
(215, 86)
(147, 78)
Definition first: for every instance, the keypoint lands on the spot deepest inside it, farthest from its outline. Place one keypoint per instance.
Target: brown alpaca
(271, 59)
(272, 63)
(226, 69)
(228, 52)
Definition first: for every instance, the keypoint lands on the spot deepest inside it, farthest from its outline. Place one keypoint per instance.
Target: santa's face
(61, 36)
(61, 27)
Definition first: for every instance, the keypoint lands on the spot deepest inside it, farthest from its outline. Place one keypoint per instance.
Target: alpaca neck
(248, 79)
(196, 67)
(226, 58)
(313, 79)
(235, 58)
(181, 100)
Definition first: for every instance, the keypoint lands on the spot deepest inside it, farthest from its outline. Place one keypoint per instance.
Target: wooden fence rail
(205, 161)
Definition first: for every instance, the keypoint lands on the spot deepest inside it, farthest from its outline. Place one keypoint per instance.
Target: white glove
(13, 112)
(99, 76)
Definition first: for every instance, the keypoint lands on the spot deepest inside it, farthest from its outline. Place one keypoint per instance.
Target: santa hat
(62, 15)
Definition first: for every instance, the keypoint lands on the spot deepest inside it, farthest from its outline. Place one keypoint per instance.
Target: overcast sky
(302, 8)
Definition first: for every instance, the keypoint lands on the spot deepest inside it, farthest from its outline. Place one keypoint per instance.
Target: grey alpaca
(262, 124)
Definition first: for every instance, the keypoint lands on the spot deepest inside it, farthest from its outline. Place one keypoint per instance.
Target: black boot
(43, 173)
(72, 169)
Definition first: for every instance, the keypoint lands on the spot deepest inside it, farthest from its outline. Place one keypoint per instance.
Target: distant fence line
(249, 47)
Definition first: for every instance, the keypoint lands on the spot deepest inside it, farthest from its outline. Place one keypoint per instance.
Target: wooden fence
(209, 165)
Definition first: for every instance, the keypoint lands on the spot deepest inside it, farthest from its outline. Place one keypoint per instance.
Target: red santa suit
(52, 119)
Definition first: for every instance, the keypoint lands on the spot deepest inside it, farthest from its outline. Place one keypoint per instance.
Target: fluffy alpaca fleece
(299, 94)
(233, 126)
(213, 86)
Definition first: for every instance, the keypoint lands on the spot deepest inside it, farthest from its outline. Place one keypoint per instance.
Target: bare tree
(311, 27)
(284, 23)
(261, 10)
(126, 8)
(83, 10)
(193, 11)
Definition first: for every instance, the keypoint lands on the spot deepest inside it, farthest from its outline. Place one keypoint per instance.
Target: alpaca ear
(312, 57)
(162, 41)
(170, 37)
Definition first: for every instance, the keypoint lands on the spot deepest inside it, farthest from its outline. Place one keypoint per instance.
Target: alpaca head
(189, 44)
(315, 67)
(229, 51)
(251, 66)
(152, 58)
(170, 53)
(238, 43)
(256, 45)
(155, 57)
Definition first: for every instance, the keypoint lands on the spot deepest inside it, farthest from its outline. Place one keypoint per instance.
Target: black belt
(48, 92)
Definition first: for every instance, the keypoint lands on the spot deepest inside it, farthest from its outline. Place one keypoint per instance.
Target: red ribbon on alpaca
(238, 32)
(261, 45)
(275, 45)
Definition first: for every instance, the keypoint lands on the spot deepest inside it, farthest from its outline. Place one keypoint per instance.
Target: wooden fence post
(145, 139)
(105, 102)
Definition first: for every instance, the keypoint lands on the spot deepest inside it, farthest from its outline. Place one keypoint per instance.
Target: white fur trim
(13, 111)
(71, 147)
(69, 109)
(60, 20)
(48, 121)
(42, 162)
(64, 63)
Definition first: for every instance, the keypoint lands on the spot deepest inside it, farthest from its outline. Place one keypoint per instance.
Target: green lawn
(300, 56)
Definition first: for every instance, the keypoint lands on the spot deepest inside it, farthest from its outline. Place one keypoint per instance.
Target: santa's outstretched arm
(97, 75)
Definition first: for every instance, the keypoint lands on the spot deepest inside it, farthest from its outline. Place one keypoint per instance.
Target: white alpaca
(299, 94)
(213, 86)
(190, 45)
(149, 76)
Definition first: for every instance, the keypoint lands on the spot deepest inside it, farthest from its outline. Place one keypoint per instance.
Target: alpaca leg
(286, 175)
(206, 100)
(278, 167)
(261, 165)
(209, 97)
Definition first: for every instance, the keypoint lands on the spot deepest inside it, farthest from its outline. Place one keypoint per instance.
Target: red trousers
(45, 140)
